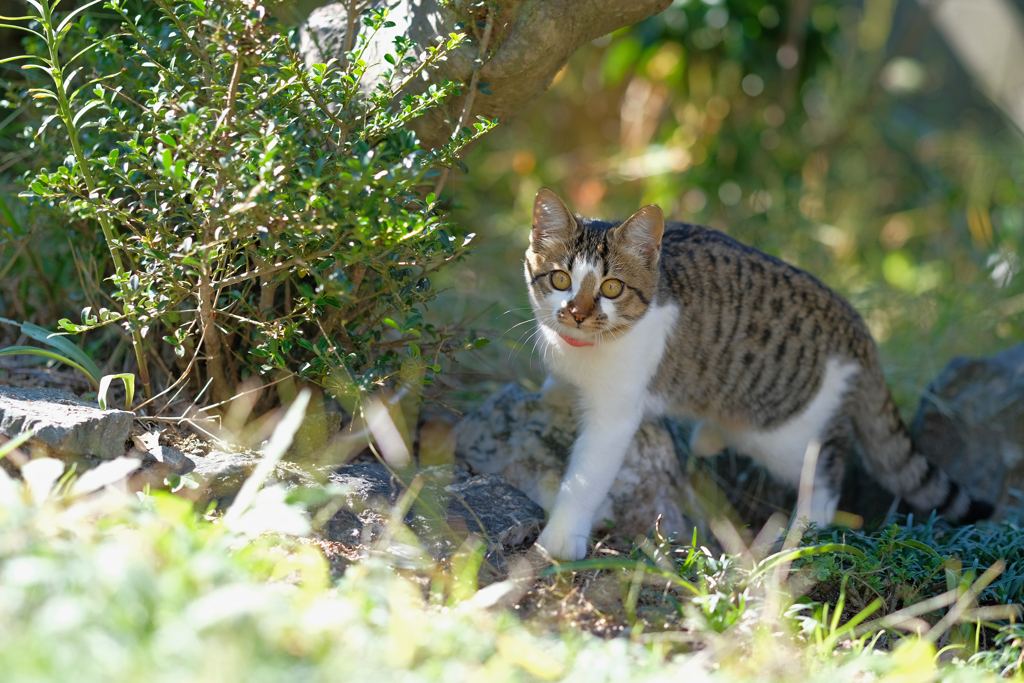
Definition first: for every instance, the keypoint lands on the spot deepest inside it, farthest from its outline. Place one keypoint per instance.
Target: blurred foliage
(245, 218)
(841, 136)
(97, 584)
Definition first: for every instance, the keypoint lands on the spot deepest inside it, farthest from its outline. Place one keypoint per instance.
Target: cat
(647, 318)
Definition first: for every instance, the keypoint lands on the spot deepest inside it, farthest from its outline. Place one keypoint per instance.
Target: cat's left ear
(641, 233)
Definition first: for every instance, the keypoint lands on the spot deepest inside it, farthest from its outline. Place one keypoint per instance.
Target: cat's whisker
(519, 346)
(531, 320)
(513, 310)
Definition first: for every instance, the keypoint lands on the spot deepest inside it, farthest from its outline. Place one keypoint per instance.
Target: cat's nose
(578, 315)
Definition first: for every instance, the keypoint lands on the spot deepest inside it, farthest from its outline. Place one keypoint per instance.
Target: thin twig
(121, 94)
(243, 393)
(184, 374)
(349, 35)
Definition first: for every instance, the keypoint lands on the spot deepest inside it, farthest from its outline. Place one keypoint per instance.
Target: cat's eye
(611, 288)
(560, 280)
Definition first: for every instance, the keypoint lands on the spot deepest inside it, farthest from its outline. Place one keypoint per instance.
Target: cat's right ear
(552, 220)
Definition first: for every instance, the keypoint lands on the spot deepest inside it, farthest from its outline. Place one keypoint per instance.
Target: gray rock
(222, 473)
(971, 422)
(526, 438)
(175, 461)
(65, 426)
(449, 506)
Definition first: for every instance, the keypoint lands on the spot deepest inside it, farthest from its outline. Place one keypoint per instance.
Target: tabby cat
(645, 318)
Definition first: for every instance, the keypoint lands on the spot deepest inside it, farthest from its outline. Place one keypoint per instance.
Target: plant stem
(109, 232)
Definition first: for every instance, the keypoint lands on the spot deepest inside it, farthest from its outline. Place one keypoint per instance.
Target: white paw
(563, 544)
(706, 441)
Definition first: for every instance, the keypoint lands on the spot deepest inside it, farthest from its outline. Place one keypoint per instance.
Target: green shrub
(263, 214)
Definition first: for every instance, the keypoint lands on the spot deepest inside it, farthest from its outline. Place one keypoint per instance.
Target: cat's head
(588, 279)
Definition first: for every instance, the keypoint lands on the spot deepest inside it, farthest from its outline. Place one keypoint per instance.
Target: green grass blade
(15, 442)
(798, 553)
(39, 7)
(25, 29)
(79, 10)
(33, 351)
(15, 58)
(856, 620)
(129, 389)
(619, 563)
(917, 545)
(62, 344)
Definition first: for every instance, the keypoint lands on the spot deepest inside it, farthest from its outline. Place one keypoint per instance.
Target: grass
(100, 584)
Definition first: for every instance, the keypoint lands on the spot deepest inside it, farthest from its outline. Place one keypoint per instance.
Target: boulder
(174, 461)
(222, 473)
(450, 504)
(971, 422)
(526, 437)
(65, 426)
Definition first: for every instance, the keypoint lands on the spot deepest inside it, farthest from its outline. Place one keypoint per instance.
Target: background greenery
(874, 163)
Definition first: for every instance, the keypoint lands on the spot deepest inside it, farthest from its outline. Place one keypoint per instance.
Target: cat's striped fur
(767, 357)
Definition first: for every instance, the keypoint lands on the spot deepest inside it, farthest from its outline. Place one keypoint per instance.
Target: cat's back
(702, 268)
(693, 255)
(751, 328)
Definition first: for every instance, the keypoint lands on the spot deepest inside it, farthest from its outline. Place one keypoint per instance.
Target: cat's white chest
(614, 367)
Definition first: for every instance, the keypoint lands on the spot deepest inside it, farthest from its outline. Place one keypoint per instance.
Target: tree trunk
(530, 41)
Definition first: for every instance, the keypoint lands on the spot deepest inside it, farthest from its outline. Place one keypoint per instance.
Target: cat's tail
(892, 458)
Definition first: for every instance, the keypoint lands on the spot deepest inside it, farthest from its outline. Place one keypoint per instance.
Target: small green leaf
(129, 389)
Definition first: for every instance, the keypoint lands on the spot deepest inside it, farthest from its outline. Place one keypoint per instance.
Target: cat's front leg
(606, 430)
(557, 392)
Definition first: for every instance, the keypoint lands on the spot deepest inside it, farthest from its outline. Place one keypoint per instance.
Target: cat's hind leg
(836, 445)
(706, 440)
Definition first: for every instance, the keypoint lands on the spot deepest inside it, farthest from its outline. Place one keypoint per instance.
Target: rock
(222, 473)
(450, 505)
(971, 422)
(527, 438)
(175, 461)
(65, 426)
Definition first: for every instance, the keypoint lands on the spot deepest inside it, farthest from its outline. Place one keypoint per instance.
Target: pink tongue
(575, 342)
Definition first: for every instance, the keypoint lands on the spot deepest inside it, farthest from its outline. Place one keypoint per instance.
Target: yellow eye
(560, 280)
(611, 288)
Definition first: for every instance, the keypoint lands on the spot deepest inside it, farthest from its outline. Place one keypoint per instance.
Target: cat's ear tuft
(641, 233)
(552, 220)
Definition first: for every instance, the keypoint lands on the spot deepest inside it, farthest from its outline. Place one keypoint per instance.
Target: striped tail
(892, 458)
